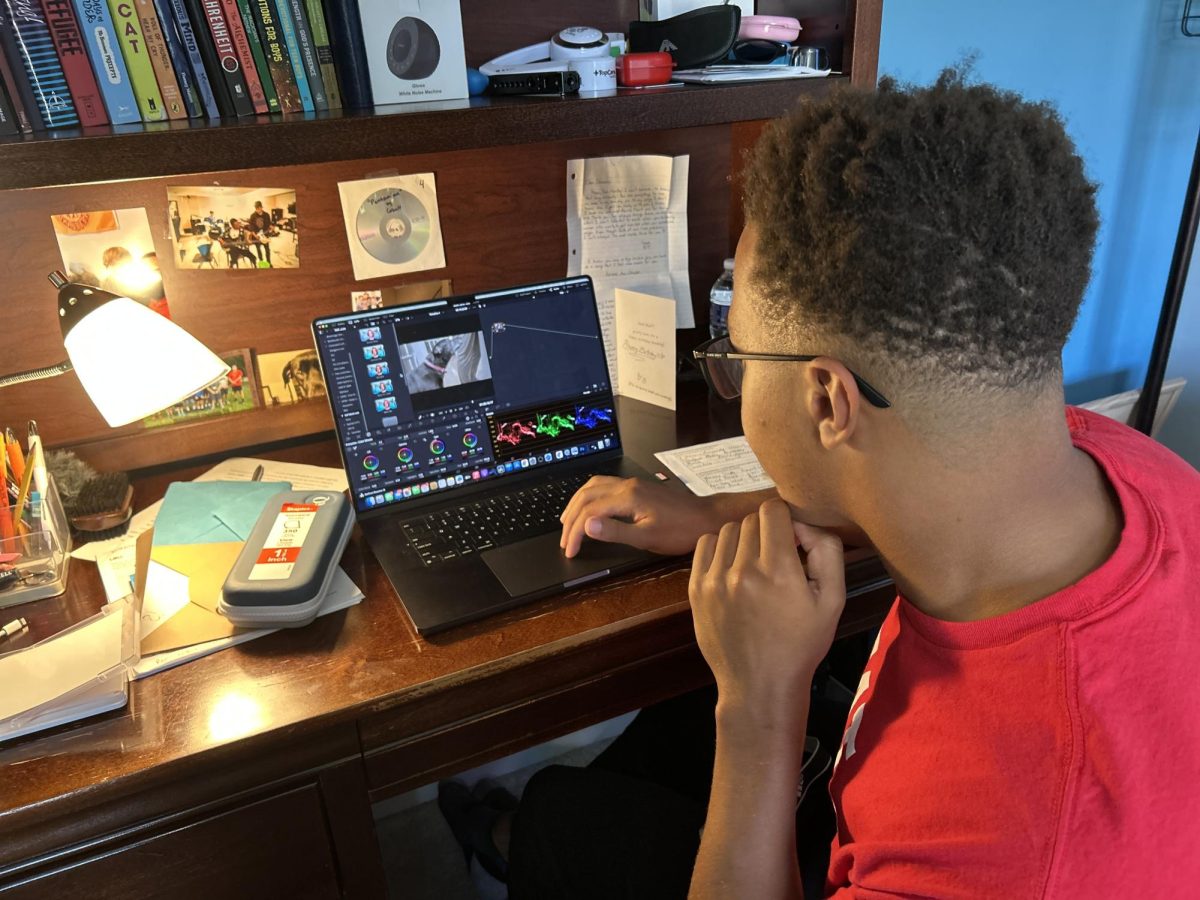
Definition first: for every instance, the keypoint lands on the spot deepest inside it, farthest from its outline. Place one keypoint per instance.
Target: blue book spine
(283, 15)
(41, 64)
(104, 49)
(179, 61)
(187, 37)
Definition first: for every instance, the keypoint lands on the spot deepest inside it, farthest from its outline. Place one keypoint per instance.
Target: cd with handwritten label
(392, 225)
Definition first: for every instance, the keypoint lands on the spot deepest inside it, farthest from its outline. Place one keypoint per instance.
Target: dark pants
(628, 826)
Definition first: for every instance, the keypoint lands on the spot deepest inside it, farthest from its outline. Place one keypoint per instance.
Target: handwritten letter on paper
(719, 467)
(645, 338)
(627, 228)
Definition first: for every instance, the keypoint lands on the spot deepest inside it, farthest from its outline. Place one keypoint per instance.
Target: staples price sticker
(277, 558)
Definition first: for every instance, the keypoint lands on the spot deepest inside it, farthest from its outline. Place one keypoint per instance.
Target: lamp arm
(61, 368)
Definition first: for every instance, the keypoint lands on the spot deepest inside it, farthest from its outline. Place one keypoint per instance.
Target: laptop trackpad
(537, 563)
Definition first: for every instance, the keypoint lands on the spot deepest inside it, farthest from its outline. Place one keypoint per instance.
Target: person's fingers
(727, 543)
(594, 485)
(777, 541)
(701, 562)
(747, 544)
(825, 561)
(604, 504)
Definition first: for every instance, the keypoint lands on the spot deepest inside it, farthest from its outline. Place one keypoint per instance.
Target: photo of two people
(233, 228)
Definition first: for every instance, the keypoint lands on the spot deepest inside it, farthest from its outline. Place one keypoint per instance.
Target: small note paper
(645, 335)
(719, 467)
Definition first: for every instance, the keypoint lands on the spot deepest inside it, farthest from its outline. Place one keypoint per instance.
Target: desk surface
(362, 682)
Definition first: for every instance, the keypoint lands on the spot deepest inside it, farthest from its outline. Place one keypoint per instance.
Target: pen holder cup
(42, 553)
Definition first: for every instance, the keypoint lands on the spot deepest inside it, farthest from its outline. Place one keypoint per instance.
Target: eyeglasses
(722, 368)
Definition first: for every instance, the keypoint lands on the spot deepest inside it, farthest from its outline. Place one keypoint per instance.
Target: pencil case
(284, 570)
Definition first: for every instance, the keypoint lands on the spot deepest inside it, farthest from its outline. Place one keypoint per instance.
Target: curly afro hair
(937, 233)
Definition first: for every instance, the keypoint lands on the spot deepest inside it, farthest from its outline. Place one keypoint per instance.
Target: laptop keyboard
(464, 530)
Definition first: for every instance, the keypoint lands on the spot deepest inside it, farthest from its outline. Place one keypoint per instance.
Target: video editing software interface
(434, 396)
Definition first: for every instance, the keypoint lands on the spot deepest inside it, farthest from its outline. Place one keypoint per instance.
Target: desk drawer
(276, 847)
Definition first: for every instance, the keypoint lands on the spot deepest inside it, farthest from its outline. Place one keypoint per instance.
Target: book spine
(100, 34)
(241, 45)
(324, 51)
(179, 61)
(14, 81)
(182, 26)
(283, 15)
(279, 61)
(8, 115)
(72, 56)
(260, 56)
(227, 56)
(308, 53)
(137, 60)
(349, 53)
(164, 72)
(194, 12)
(41, 64)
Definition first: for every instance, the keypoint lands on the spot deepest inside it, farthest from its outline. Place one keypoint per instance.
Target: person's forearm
(748, 848)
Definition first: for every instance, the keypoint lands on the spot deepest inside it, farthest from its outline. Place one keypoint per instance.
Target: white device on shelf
(580, 48)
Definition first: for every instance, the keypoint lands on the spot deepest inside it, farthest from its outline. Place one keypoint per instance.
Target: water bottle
(720, 298)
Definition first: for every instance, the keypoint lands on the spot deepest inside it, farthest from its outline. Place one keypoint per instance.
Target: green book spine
(320, 34)
(260, 58)
(137, 60)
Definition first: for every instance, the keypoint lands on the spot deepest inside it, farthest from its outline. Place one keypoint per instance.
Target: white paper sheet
(239, 468)
(342, 593)
(719, 467)
(645, 338)
(627, 228)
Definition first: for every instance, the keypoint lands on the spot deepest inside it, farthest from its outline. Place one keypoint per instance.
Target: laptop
(465, 426)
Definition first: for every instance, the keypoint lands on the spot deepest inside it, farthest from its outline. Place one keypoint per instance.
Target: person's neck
(1031, 515)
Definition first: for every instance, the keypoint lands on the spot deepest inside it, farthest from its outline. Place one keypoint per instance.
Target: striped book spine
(279, 61)
(320, 37)
(179, 60)
(100, 34)
(241, 45)
(16, 88)
(283, 15)
(259, 54)
(72, 56)
(160, 60)
(137, 60)
(187, 37)
(41, 64)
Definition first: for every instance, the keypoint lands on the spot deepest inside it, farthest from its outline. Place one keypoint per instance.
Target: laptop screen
(435, 396)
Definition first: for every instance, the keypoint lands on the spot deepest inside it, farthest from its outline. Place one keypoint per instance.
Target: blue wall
(1127, 84)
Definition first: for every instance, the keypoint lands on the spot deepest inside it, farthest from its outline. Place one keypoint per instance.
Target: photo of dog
(436, 363)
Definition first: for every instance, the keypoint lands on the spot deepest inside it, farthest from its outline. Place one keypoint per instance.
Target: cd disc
(393, 226)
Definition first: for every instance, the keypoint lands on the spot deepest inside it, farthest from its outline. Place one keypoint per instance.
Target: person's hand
(763, 619)
(636, 512)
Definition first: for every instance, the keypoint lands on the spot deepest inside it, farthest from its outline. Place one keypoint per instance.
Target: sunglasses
(722, 367)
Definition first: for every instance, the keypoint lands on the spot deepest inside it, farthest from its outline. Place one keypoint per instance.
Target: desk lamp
(131, 360)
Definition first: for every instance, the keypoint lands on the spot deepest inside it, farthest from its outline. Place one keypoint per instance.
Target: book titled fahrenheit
(231, 65)
(137, 60)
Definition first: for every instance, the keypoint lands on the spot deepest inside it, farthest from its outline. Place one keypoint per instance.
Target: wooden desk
(250, 773)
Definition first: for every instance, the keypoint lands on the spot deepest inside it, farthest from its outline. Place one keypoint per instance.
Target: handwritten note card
(645, 337)
(627, 228)
(719, 467)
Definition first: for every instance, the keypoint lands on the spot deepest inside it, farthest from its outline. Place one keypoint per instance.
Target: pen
(16, 462)
(6, 520)
(36, 459)
(16, 626)
(23, 493)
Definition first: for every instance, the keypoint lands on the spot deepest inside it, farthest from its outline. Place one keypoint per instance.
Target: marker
(16, 626)
(16, 461)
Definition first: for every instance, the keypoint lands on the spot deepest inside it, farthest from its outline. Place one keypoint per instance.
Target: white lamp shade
(134, 362)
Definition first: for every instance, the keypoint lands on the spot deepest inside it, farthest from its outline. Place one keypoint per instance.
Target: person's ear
(832, 400)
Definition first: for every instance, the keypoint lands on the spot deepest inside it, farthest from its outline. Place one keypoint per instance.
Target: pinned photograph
(216, 227)
(290, 376)
(392, 225)
(361, 301)
(234, 392)
(112, 249)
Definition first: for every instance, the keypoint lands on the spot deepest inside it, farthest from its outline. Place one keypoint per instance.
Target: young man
(1028, 722)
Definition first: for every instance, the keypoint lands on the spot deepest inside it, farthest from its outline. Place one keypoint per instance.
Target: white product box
(414, 50)
(657, 10)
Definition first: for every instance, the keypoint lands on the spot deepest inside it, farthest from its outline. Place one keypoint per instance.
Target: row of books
(65, 63)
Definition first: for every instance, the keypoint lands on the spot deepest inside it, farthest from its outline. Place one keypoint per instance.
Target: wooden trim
(863, 20)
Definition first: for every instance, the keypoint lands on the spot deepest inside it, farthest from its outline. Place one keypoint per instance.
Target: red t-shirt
(1050, 752)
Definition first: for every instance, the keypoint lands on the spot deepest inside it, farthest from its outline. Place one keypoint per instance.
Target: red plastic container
(640, 69)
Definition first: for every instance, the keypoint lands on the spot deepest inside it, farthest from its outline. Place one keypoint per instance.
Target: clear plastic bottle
(720, 298)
